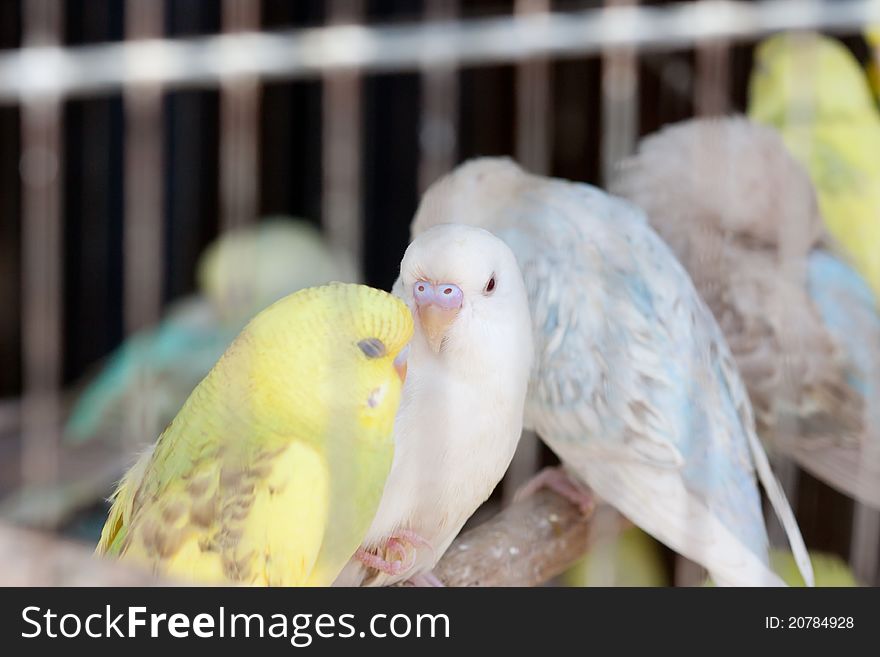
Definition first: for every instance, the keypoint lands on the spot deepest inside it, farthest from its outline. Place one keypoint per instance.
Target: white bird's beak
(435, 323)
(437, 306)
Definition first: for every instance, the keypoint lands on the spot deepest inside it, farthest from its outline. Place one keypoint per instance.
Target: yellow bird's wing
(260, 524)
(269, 527)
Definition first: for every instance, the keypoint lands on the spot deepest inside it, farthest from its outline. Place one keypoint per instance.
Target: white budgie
(461, 408)
(633, 385)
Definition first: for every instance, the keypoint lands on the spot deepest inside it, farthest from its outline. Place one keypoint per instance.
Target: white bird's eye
(490, 286)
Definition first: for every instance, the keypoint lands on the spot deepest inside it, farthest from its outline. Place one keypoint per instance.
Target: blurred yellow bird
(632, 558)
(830, 570)
(273, 469)
(813, 91)
(872, 36)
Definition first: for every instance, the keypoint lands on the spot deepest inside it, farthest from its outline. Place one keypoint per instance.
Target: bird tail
(780, 505)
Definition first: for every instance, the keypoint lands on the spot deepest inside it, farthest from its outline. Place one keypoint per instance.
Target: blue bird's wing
(850, 313)
(634, 386)
(152, 374)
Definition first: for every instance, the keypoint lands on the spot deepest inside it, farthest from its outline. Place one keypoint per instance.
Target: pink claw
(413, 539)
(401, 543)
(376, 562)
(560, 482)
(395, 546)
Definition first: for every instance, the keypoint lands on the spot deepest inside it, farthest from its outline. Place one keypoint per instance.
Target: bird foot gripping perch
(400, 556)
(558, 480)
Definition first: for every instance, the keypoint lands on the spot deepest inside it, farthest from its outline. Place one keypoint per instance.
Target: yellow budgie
(814, 92)
(272, 471)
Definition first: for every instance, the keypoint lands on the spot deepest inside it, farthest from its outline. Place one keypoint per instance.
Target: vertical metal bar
(620, 88)
(143, 229)
(239, 128)
(533, 108)
(864, 544)
(143, 180)
(533, 101)
(712, 85)
(341, 146)
(40, 170)
(438, 130)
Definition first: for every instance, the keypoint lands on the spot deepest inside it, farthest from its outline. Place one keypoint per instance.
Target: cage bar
(240, 128)
(341, 144)
(438, 128)
(311, 52)
(40, 170)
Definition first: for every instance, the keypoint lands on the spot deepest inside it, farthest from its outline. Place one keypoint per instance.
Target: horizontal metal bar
(101, 69)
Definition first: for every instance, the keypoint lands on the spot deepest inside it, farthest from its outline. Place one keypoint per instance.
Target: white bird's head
(466, 292)
(476, 193)
(728, 177)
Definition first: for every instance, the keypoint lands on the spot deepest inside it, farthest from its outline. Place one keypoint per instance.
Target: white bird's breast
(456, 439)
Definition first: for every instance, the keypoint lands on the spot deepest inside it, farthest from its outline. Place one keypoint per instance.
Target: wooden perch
(525, 545)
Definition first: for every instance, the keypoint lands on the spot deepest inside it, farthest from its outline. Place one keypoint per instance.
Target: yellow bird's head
(326, 360)
(801, 77)
(244, 270)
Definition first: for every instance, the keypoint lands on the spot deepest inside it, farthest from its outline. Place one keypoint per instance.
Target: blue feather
(849, 310)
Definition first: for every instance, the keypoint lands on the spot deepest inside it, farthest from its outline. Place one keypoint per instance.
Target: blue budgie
(633, 385)
(741, 214)
(149, 377)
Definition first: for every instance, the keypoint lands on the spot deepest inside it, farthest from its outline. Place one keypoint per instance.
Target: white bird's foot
(427, 579)
(400, 553)
(412, 539)
(376, 562)
(559, 481)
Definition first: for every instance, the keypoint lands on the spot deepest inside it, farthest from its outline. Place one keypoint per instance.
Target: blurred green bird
(872, 36)
(632, 558)
(828, 569)
(151, 374)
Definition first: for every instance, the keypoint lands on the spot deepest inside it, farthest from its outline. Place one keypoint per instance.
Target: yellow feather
(295, 504)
